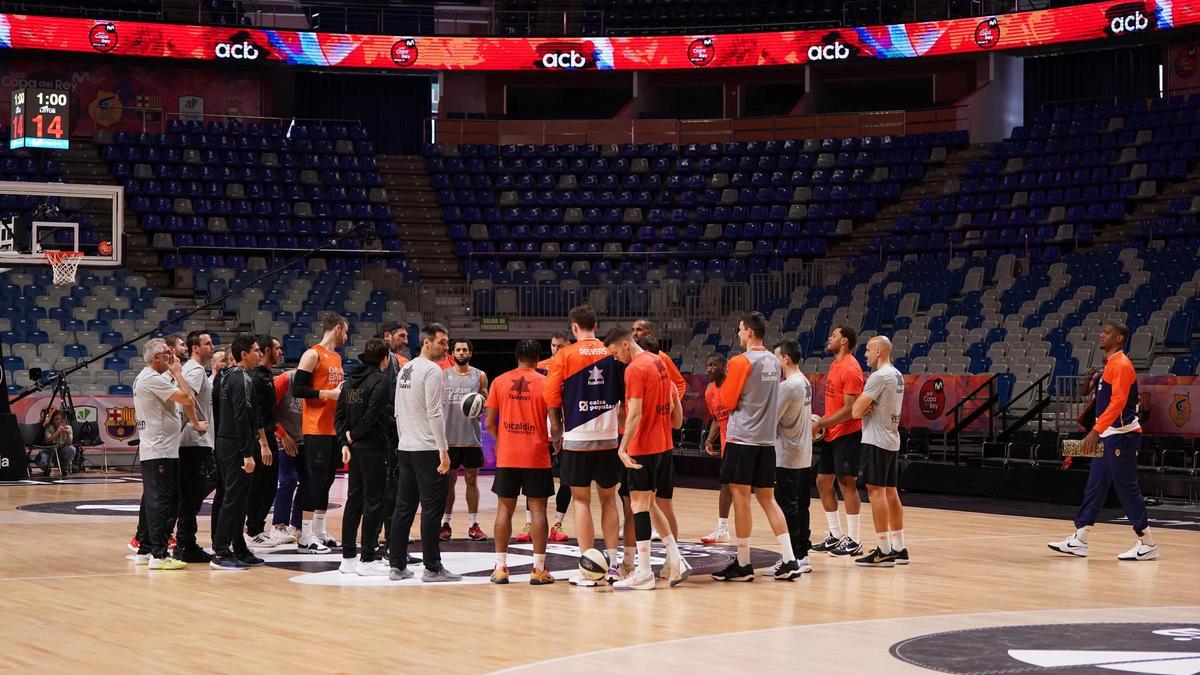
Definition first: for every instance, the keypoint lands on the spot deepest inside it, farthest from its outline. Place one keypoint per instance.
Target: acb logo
(1127, 18)
(242, 51)
(563, 56)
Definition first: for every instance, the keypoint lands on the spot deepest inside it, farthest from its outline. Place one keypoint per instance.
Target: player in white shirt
(879, 407)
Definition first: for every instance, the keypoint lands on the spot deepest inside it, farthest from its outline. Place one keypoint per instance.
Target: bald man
(879, 408)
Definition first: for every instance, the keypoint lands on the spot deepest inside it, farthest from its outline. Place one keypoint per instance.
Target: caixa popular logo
(701, 51)
(103, 37)
(1128, 18)
(404, 52)
(563, 56)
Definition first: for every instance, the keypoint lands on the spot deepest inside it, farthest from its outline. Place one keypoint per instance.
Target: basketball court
(982, 594)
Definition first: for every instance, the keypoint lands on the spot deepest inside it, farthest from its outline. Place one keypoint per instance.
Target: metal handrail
(960, 421)
(1042, 399)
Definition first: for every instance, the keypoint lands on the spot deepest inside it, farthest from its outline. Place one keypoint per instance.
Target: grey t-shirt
(881, 426)
(755, 419)
(420, 398)
(158, 421)
(461, 431)
(197, 379)
(793, 448)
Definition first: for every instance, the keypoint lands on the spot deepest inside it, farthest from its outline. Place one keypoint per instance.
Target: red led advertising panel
(1096, 21)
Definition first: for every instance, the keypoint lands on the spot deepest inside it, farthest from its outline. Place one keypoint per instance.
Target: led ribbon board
(1059, 26)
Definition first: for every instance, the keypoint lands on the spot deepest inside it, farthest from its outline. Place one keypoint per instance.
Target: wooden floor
(73, 602)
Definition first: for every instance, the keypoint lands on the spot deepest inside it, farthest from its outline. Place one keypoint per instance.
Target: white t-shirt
(158, 421)
(793, 447)
(881, 426)
(195, 377)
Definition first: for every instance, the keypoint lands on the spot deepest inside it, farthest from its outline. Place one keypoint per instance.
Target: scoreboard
(39, 119)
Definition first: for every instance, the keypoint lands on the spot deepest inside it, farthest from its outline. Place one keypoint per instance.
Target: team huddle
(598, 411)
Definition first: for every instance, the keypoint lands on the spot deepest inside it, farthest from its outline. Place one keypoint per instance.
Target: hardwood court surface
(72, 602)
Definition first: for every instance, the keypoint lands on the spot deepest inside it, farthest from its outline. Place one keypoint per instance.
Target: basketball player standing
(562, 499)
(751, 394)
(583, 390)
(195, 449)
(793, 451)
(317, 382)
(714, 366)
(516, 418)
(843, 442)
(879, 408)
(464, 435)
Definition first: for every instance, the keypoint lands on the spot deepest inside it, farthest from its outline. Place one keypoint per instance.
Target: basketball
(472, 405)
(593, 564)
(820, 434)
(104, 248)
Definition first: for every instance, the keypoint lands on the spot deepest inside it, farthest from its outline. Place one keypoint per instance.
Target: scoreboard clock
(39, 119)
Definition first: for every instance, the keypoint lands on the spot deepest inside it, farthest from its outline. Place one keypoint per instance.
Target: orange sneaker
(557, 534)
(523, 537)
(500, 575)
(540, 578)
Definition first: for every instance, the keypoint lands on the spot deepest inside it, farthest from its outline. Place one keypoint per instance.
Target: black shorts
(533, 483)
(752, 465)
(881, 467)
(657, 475)
(466, 457)
(580, 468)
(840, 456)
(320, 452)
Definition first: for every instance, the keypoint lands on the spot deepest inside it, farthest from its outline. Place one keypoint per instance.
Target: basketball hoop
(64, 264)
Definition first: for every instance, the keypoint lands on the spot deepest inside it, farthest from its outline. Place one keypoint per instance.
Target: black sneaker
(788, 571)
(901, 556)
(735, 572)
(227, 562)
(828, 545)
(847, 546)
(877, 558)
(249, 559)
(193, 554)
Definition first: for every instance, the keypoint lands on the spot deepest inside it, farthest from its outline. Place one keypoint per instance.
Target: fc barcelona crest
(1181, 409)
(120, 423)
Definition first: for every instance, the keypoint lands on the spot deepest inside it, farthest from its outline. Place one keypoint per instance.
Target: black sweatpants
(792, 494)
(418, 483)
(364, 500)
(192, 490)
(264, 482)
(160, 492)
(323, 456)
(389, 494)
(228, 536)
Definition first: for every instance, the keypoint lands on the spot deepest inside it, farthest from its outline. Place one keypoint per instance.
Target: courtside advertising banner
(245, 45)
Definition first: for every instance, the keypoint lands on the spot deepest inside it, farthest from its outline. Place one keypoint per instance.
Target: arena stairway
(419, 218)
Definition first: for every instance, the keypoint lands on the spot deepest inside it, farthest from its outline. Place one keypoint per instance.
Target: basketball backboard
(40, 217)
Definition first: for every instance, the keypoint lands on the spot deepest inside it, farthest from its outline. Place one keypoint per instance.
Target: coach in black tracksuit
(367, 434)
(266, 471)
(237, 444)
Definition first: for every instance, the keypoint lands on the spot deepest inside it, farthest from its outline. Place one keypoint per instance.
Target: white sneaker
(141, 558)
(638, 581)
(263, 541)
(348, 566)
(1141, 551)
(375, 568)
(294, 533)
(805, 565)
(583, 582)
(770, 571)
(680, 573)
(1071, 546)
(654, 535)
(282, 534)
(310, 544)
(718, 536)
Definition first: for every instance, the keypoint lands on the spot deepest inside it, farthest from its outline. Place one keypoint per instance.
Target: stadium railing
(542, 132)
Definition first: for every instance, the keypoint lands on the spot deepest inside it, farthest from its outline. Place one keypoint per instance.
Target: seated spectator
(57, 433)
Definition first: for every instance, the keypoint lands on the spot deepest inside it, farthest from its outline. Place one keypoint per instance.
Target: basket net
(64, 264)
